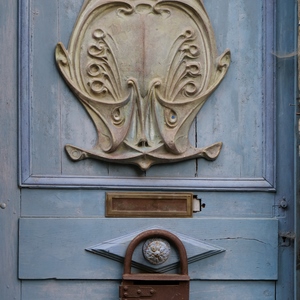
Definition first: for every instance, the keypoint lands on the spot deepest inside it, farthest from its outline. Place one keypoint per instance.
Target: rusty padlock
(152, 286)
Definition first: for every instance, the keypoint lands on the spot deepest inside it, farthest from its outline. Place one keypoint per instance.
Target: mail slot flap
(156, 277)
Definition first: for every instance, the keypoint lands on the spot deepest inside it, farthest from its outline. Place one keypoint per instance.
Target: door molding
(266, 182)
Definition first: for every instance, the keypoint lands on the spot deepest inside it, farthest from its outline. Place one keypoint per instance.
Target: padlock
(144, 286)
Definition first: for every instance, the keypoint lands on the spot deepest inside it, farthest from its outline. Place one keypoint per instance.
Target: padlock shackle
(158, 233)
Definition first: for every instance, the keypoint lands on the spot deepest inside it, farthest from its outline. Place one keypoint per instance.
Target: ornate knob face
(156, 251)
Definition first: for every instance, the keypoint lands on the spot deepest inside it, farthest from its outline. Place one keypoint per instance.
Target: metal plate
(150, 205)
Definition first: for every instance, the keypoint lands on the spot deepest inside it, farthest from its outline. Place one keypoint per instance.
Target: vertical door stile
(297, 177)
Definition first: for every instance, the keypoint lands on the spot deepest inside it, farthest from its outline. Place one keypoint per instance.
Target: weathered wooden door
(248, 191)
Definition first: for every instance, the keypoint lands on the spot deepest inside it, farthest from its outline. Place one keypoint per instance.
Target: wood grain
(9, 192)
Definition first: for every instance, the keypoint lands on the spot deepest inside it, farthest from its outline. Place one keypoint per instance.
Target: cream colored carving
(142, 70)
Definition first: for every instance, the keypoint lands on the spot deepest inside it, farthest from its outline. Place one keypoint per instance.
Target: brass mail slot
(149, 205)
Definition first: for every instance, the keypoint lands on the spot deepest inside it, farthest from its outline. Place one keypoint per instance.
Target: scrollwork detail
(117, 116)
(125, 11)
(171, 117)
(103, 66)
(183, 66)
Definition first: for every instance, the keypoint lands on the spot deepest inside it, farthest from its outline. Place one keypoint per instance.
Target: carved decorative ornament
(156, 250)
(142, 69)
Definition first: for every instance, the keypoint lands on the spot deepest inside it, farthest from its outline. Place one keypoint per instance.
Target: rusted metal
(155, 286)
(149, 205)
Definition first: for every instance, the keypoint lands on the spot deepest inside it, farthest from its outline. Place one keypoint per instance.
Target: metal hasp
(143, 69)
(155, 286)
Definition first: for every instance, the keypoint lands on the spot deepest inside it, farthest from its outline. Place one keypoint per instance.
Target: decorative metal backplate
(142, 69)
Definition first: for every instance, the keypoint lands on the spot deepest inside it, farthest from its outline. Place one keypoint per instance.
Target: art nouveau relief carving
(142, 70)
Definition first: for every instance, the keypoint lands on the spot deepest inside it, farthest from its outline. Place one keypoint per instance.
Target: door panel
(78, 290)
(63, 203)
(90, 203)
(250, 247)
(51, 113)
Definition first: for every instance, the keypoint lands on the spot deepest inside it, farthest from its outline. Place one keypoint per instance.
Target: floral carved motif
(156, 251)
(142, 70)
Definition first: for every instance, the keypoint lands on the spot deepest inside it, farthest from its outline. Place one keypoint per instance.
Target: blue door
(240, 245)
